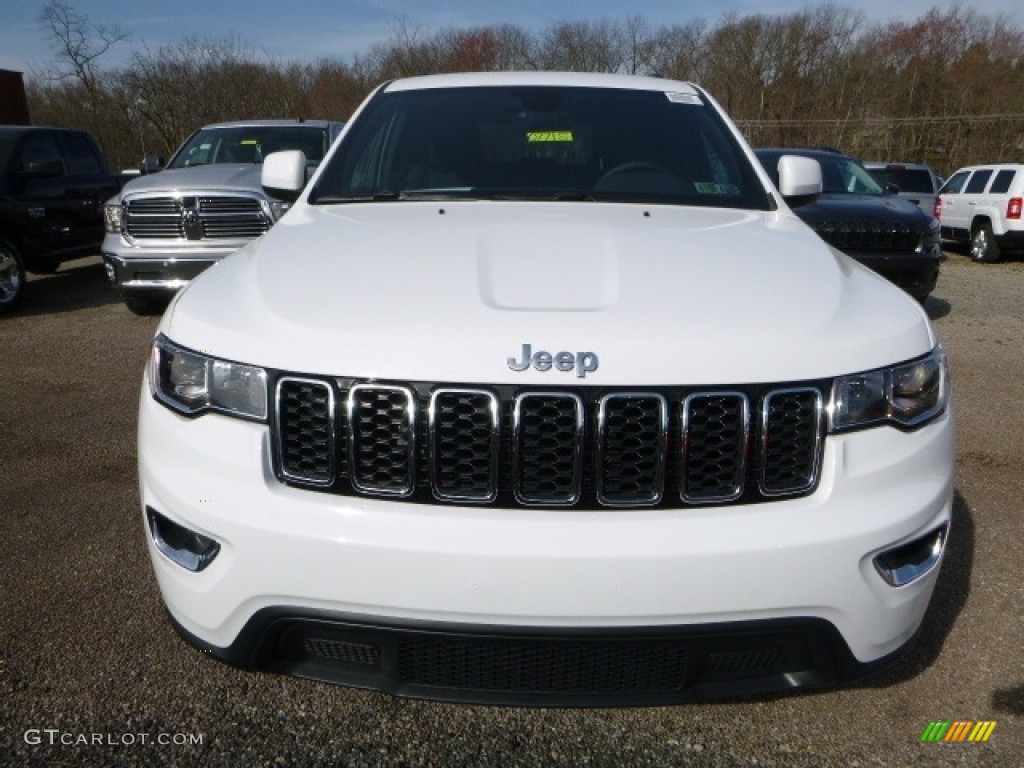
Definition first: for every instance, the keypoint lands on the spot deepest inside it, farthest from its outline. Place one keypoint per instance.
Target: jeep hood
(200, 177)
(451, 291)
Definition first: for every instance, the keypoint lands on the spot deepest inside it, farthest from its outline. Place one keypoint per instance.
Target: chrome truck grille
(195, 217)
(514, 446)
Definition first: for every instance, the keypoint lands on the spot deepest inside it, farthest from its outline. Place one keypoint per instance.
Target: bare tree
(581, 46)
(79, 42)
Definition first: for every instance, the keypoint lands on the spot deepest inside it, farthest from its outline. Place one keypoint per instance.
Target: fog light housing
(909, 562)
(189, 549)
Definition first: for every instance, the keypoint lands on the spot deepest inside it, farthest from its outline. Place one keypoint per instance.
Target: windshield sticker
(683, 98)
(249, 141)
(534, 137)
(714, 188)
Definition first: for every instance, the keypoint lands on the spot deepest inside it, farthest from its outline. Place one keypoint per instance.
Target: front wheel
(12, 277)
(983, 244)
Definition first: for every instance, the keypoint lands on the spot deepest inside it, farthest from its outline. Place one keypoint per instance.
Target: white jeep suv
(541, 394)
(981, 206)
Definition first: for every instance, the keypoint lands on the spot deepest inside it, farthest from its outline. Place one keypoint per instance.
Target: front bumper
(158, 270)
(751, 598)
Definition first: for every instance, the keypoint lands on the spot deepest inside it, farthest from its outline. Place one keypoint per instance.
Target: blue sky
(306, 30)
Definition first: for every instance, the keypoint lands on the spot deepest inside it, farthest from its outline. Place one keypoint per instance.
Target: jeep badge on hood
(582, 362)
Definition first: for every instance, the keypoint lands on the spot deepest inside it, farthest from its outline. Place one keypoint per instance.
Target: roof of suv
(273, 123)
(580, 79)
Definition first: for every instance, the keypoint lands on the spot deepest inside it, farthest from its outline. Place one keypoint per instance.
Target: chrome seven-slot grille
(195, 217)
(513, 446)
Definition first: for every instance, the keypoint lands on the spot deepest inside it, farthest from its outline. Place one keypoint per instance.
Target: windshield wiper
(573, 195)
(376, 197)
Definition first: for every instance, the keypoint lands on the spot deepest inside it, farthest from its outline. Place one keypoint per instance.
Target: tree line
(946, 88)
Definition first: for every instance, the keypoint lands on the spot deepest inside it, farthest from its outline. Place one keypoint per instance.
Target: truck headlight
(907, 395)
(112, 217)
(192, 383)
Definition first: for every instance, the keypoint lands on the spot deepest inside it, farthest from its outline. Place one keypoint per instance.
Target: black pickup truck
(53, 183)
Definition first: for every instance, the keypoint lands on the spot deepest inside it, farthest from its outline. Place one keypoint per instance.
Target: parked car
(168, 226)
(856, 215)
(981, 206)
(541, 394)
(917, 182)
(53, 182)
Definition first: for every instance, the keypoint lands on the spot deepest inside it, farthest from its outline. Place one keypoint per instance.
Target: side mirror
(892, 189)
(799, 180)
(152, 164)
(284, 174)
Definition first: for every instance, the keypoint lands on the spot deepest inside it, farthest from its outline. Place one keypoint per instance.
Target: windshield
(239, 146)
(541, 142)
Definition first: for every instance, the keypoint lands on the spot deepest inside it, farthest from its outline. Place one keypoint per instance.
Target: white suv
(541, 394)
(981, 206)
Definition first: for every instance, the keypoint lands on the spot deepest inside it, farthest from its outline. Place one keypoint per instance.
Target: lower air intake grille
(571, 666)
(523, 447)
(544, 667)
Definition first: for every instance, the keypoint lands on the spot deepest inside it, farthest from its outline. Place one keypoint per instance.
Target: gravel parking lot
(91, 672)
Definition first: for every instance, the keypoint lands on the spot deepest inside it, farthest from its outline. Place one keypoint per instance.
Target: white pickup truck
(166, 227)
(540, 394)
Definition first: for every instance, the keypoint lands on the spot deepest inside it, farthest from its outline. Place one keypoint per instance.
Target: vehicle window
(541, 142)
(907, 179)
(39, 148)
(81, 158)
(844, 175)
(1002, 181)
(246, 145)
(978, 181)
(955, 183)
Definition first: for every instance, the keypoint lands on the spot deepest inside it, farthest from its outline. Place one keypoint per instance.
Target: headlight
(112, 217)
(906, 395)
(192, 383)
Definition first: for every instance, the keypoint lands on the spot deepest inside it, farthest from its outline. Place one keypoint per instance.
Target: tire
(984, 248)
(12, 277)
(145, 305)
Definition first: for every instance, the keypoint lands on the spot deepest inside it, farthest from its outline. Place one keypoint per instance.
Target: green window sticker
(537, 137)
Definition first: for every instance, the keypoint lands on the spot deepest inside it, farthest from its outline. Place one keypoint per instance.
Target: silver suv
(916, 182)
(167, 227)
(981, 206)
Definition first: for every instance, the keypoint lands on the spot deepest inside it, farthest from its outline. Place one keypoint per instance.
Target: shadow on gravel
(937, 308)
(1009, 700)
(80, 284)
